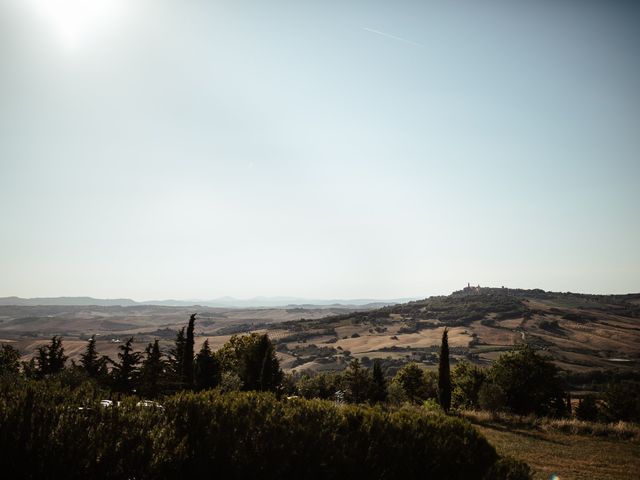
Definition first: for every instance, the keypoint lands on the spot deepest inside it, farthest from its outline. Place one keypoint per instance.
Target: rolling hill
(580, 332)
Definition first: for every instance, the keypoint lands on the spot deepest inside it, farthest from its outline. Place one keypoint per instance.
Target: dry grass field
(549, 450)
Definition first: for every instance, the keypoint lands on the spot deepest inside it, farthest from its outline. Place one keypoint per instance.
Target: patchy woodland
(582, 333)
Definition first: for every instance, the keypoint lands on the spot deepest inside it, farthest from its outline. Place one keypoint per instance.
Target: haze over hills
(224, 302)
(77, 301)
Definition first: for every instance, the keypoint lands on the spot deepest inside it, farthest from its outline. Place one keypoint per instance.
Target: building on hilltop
(471, 290)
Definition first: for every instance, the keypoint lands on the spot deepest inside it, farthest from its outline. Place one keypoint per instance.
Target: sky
(190, 149)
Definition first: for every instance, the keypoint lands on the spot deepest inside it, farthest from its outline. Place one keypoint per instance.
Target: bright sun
(75, 21)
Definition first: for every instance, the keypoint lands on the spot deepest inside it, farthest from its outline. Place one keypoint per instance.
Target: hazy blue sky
(193, 149)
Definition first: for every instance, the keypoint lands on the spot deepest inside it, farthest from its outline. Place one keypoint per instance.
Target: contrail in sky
(388, 35)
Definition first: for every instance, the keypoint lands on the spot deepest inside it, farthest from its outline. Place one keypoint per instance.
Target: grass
(570, 449)
(618, 430)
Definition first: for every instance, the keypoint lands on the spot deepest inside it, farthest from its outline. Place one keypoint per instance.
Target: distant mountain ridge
(75, 301)
(223, 302)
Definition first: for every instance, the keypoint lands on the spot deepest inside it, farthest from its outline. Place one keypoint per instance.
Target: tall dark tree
(51, 358)
(444, 373)
(253, 359)
(176, 354)
(125, 371)
(151, 370)
(379, 383)
(91, 363)
(187, 360)
(357, 382)
(207, 368)
(259, 366)
(9, 360)
(89, 359)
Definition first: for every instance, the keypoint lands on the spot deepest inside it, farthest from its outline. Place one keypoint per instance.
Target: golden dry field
(570, 451)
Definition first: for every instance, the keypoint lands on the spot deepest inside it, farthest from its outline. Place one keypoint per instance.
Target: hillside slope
(580, 332)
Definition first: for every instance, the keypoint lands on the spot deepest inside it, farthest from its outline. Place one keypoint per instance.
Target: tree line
(521, 381)
(245, 362)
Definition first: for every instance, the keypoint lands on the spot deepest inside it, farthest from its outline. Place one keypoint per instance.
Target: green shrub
(530, 383)
(467, 380)
(45, 434)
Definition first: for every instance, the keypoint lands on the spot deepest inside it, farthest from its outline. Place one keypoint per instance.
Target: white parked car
(149, 403)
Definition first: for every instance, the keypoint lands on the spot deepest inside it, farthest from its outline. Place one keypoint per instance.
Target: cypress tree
(177, 354)
(187, 360)
(151, 370)
(89, 359)
(444, 374)
(207, 368)
(379, 390)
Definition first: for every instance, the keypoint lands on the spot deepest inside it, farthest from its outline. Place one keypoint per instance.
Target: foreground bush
(43, 434)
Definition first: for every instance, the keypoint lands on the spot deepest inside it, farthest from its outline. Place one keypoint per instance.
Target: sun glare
(74, 22)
